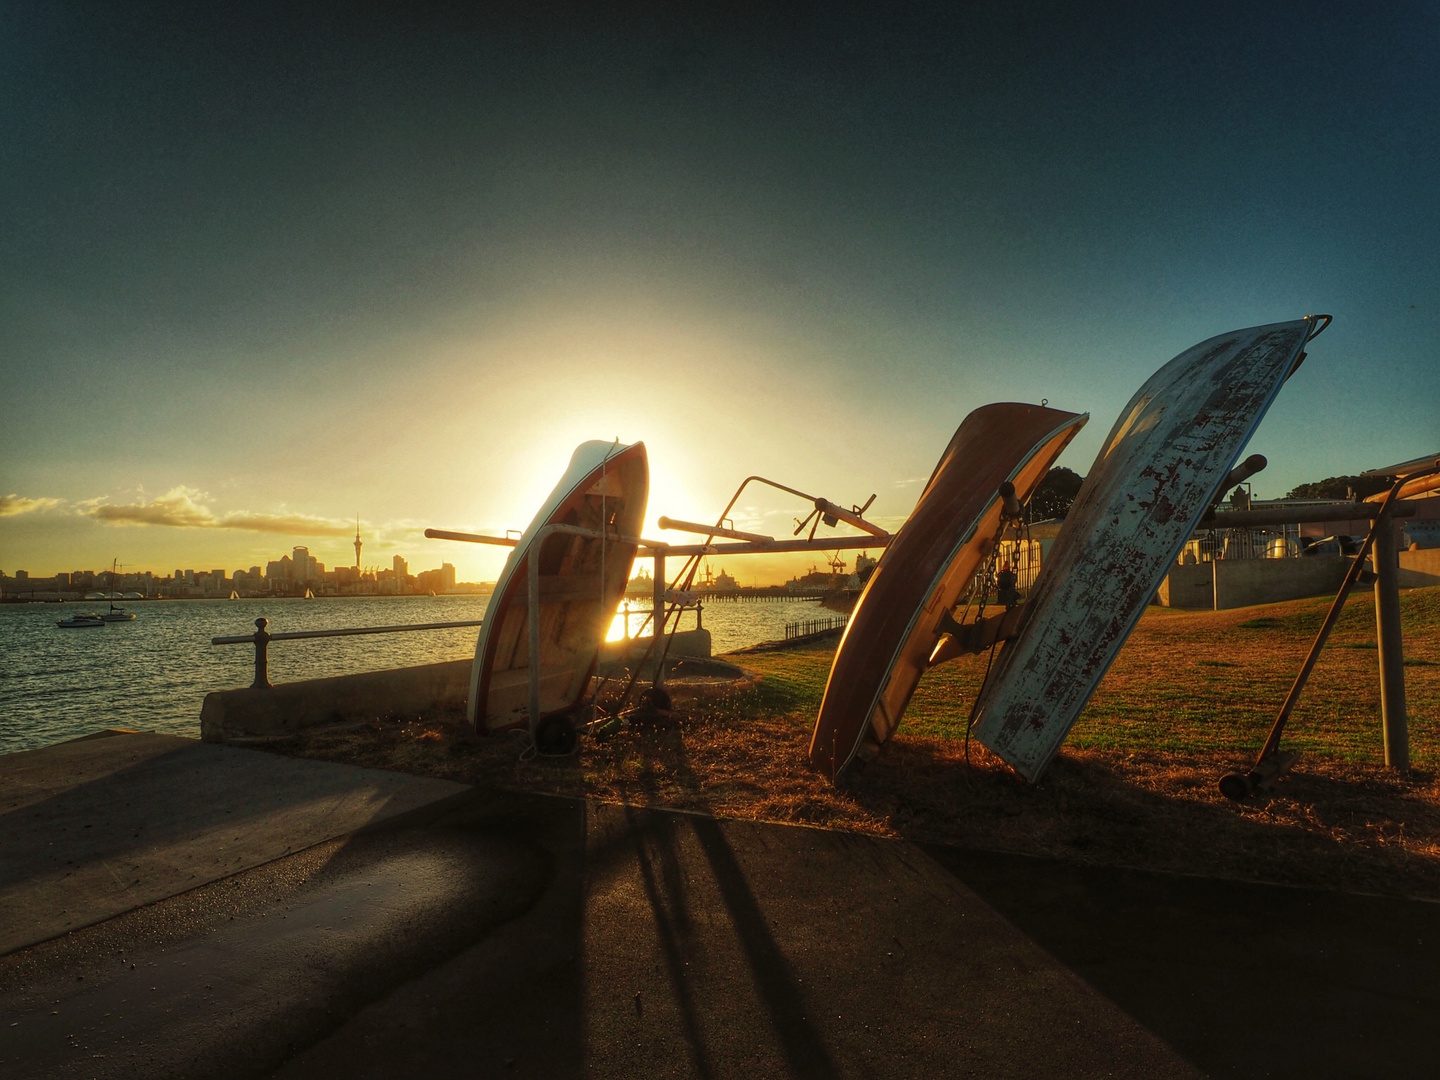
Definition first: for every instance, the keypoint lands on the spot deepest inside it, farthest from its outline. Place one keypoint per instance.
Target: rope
(981, 585)
(528, 749)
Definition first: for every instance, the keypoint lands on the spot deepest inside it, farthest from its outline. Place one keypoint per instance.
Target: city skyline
(261, 274)
(294, 572)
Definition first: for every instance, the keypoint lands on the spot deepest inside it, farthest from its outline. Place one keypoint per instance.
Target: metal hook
(1319, 327)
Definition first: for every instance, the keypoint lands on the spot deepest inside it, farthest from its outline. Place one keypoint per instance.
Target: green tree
(1340, 487)
(1054, 494)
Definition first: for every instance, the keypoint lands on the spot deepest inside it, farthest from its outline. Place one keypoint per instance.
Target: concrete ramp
(93, 828)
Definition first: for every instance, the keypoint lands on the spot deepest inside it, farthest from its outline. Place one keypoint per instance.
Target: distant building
(436, 581)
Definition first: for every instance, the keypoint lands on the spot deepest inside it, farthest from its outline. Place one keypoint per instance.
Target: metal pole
(262, 663)
(657, 618)
(1391, 649)
(1271, 763)
(532, 559)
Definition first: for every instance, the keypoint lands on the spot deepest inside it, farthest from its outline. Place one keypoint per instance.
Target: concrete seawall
(293, 707)
(1419, 568)
(1242, 582)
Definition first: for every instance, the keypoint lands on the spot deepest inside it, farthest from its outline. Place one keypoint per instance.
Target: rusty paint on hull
(581, 583)
(923, 572)
(1156, 475)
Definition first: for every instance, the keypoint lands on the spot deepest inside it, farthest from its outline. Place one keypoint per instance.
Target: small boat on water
(115, 614)
(73, 622)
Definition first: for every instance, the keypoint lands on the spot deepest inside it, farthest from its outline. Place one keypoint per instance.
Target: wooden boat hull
(582, 580)
(922, 574)
(1156, 475)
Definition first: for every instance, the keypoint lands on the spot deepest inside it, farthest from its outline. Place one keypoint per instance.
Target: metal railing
(261, 640)
(644, 615)
(815, 626)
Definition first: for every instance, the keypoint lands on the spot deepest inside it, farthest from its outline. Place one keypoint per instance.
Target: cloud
(289, 524)
(12, 505)
(177, 507)
(182, 508)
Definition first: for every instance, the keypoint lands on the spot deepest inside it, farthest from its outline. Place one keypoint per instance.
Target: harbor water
(152, 674)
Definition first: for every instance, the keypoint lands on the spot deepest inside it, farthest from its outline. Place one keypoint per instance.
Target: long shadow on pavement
(1242, 979)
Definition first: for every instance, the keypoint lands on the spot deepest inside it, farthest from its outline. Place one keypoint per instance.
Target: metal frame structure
(742, 544)
(1271, 762)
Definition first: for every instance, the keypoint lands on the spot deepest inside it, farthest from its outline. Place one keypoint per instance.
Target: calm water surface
(153, 673)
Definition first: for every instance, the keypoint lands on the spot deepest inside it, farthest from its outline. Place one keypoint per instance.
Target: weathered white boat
(897, 621)
(1156, 475)
(582, 577)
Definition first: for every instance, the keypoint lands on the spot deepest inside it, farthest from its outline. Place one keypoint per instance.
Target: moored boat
(80, 619)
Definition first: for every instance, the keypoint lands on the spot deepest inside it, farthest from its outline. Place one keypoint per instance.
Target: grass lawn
(1191, 696)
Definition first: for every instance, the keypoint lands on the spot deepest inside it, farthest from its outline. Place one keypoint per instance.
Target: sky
(265, 268)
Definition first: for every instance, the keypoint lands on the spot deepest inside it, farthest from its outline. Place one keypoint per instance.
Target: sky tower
(357, 543)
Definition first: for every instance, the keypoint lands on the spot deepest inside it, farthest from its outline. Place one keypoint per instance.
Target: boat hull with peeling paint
(923, 572)
(1156, 475)
(582, 580)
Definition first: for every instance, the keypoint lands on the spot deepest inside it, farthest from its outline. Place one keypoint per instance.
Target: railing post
(1391, 649)
(657, 616)
(262, 662)
(699, 607)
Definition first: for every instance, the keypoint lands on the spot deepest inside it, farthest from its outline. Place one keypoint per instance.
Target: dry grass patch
(1191, 696)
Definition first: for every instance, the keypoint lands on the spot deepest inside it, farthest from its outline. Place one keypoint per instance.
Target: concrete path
(522, 935)
(93, 828)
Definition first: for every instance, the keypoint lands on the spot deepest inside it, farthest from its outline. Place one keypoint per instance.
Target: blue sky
(267, 268)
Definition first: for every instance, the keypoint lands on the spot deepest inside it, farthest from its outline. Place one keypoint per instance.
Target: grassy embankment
(1191, 696)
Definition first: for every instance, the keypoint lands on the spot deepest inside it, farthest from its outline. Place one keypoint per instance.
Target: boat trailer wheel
(555, 735)
(1235, 786)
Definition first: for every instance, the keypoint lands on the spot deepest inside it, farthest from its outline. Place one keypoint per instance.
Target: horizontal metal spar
(1417, 485)
(249, 639)
(1300, 515)
(471, 538)
(651, 548)
(776, 547)
(713, 530)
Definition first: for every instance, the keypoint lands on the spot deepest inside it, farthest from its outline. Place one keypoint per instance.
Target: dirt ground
(1191, 696)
